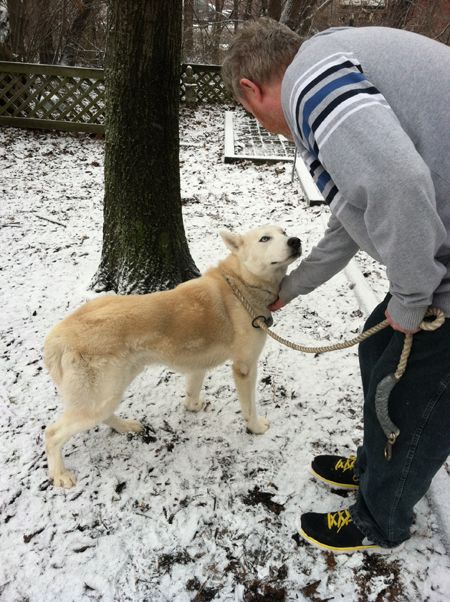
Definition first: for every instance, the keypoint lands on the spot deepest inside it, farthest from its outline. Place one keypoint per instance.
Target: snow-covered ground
(196, 508)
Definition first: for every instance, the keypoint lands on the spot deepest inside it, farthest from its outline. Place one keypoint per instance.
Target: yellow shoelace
(347, 464)
(339, 519)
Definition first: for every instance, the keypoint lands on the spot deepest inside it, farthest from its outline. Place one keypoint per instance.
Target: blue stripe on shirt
(323, 180)
(317, 99)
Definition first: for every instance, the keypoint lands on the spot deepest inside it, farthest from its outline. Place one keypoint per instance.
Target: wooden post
(190, 88)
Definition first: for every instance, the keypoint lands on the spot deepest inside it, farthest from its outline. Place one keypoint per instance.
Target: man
(369, 111)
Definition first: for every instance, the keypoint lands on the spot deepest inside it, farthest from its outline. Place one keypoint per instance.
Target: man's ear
(250, 90)
(232, 241)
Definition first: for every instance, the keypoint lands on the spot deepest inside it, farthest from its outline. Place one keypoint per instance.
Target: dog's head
(265, 252)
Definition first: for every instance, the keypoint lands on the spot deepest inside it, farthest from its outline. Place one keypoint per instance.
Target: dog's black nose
(295, 243)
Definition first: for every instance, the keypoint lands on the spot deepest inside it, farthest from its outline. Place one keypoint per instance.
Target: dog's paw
(194, 405)
(132, 426)
(64, 479)
(259, 425)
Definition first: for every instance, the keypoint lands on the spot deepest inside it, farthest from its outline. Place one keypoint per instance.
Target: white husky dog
(95, 353)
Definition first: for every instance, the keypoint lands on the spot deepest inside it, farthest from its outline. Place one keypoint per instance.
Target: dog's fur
(95, 353)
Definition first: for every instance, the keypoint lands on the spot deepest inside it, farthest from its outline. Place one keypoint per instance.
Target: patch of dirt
(203, 593)
(256, 496)
(262, 591)
(376, 567)
(167, 561)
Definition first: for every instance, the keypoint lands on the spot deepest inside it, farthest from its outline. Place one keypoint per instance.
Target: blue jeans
(419, 405)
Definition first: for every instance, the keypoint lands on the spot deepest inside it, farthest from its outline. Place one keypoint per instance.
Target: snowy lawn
(196, 508)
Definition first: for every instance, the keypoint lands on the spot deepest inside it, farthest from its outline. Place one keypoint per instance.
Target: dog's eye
(264, 239)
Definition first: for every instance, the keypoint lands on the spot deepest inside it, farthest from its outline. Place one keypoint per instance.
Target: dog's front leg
(245, 379)
(194, 382)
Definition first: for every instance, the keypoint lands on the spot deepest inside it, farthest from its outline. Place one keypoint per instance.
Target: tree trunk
(297, 14)
(248, 9)
(397, 13)
(188, 30)
(5, 50)
(235, 15)
(144, 243)
(217, 31)
(70, 50)
(17, 11)
(44, 24)
(275, 9)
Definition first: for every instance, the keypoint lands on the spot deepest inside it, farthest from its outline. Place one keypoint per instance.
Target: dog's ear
(232, 241)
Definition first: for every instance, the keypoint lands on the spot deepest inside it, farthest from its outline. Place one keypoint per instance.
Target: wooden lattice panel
(207, 82)
(51, 96)
(73, 98)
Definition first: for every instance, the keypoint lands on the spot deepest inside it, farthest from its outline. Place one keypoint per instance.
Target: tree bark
(188, 30)
(18, 18)
(144, 243)
(217, 28)
(299, 14)
(235, 15)
(398, 12)
(70, 50)
(248, 9)
(5, 33)
(43, 26)
(275, 9)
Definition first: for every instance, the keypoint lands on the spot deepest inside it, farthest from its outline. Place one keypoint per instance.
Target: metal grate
(245, 139)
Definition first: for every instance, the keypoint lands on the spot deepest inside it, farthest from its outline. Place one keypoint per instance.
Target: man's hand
(397, 327)
(278, 304)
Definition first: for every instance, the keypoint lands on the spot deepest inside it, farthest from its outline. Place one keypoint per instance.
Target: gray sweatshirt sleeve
(326, 259)
(375, 180)
(385, 178)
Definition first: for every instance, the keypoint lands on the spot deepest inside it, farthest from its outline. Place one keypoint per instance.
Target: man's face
(264, 103)
(267, 120)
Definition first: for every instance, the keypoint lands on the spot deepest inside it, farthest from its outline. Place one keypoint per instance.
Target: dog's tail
(53, 354)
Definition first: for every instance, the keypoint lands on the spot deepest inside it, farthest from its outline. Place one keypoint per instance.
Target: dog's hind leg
(194, 381)
(74, 420)
(123, 426)
(245, 379)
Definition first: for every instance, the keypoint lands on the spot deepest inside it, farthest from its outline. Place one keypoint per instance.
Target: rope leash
(385, 386)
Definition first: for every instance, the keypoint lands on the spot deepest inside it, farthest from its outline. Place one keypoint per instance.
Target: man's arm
(326, 259)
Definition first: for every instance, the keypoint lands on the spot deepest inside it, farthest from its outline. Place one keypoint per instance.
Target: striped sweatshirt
(369, 109)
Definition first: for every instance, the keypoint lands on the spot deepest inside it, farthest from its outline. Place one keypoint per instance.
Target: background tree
(299, 15)
(274, 11)
(5, 50)
(85, 9)
(53, 31)
(43, 30)
(188, 28)
(144, 243)
(18, 19)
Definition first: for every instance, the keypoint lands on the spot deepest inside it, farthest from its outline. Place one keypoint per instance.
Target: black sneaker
(336, 532)
(336, 471)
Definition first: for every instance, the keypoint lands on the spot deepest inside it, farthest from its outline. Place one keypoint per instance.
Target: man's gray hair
(260, 52)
